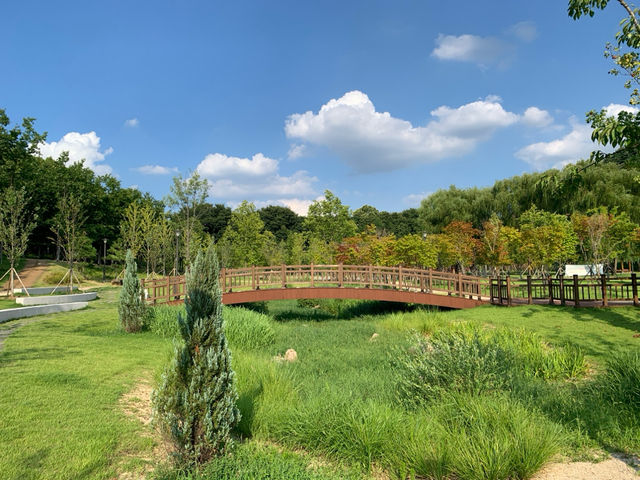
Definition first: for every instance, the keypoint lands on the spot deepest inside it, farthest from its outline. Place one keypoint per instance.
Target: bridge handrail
(168, 289)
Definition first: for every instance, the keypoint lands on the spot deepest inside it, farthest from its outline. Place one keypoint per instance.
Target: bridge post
(499, 289)
(312, 275)
(370, 276)
(400, 277)
(529, 292)
(562, 299)
(603, 281)
(340, 275)
(430, 281)
(576, 292)
(284, 276)
(422, 281)
(459, 284)
(508, 290)
(550, 282)
(223, 274)
(634, 289)
(168, 290)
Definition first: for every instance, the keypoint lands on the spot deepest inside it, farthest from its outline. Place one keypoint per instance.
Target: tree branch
(632, 15)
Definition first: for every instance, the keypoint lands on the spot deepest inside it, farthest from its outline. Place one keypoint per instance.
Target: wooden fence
(169, 289)
(577, 291)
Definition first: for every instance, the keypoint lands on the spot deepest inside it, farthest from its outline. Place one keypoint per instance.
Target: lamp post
(175, 266)
(104, 260)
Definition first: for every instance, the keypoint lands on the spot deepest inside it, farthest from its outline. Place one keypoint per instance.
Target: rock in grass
(290, 355)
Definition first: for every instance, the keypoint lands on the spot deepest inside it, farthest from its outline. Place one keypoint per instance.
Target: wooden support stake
(603, 285)
(576, 292)
(634, 290)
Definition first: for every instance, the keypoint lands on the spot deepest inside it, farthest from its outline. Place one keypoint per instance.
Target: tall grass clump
(247, 328)
(620, 384)
(244, 328)
(479, 362)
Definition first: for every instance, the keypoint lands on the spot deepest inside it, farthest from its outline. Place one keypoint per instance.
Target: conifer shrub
(132, 309)
(195, 403)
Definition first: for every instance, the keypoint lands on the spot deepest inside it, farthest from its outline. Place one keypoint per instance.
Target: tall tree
(195, 403)
(329, 220)
(244, 238)
(280, 221)
(186, 197)
(67, 228)
(16, 224)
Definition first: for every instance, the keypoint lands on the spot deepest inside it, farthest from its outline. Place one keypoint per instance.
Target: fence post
(370, 276)
(562, 299)
(576, 292)
(284, 276)
(422, 281)
(430, 281)
(340, 275)
(550, 282)
(459, 284)
(508, 290)
(529, 292)
(499, 279)
(312, 275)
(224, 280)
(634, 289)
(168, 290)
(400, 277)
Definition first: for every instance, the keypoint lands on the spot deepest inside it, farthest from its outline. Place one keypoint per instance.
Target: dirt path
(31, 273)
(615, 468)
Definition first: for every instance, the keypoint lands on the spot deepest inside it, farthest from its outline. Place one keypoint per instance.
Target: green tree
(244, 238)
(329, 220)
(415, 251)
(131, 306)
(195, 403)
(214, 218)
(67, 228)
(15, 227)
(186, 198)
(280, 221)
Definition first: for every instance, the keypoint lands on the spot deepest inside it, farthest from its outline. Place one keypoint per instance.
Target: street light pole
(177, 243)
(104, 260)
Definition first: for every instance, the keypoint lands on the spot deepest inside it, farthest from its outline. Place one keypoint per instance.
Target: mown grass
(527, 383)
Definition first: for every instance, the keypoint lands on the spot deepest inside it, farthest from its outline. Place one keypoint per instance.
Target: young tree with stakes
(15, 227)
(195, 404)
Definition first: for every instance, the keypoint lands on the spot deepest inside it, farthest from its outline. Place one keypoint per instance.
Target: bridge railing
(587, 291)
(168, 289)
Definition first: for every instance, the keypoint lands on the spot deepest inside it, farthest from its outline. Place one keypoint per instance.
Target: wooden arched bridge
(405, 285)
(363, 282)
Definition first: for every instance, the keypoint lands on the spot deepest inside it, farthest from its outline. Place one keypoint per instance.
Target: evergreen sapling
(131, 307)
(195, 404)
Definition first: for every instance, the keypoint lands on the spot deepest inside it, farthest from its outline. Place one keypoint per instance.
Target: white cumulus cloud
(371, 141)
(535, 117)
(613, 109)
(472, 48)
(414, 199)
(156, 170)
(132, 122)
(81, 146)
(252, 179)
(524, 31)
(574, 146)
(296, 151)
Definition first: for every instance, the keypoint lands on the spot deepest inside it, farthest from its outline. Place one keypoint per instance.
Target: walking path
(31, 273)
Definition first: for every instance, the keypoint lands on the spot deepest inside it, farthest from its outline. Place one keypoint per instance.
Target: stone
(374, 337)
(290, 355)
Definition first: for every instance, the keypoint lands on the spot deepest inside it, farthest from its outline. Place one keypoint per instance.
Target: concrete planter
(43, 290)
(57, 299)
(13, 313)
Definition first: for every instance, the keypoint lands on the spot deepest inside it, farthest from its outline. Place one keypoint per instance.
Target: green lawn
(61, 379)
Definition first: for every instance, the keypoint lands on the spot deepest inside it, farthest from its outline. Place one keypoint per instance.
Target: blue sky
(274, 102)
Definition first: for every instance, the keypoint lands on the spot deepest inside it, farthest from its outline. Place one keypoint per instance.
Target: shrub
(195, 404)
(131, 306)
(248, 329)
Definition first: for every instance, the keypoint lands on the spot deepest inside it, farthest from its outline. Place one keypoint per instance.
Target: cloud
(296, 151)
(574, 146)
(156, 170)
(252, 179)
(414, 199)
(613, 109)
(371, 141)
(81, 146)
(535, 117)
(524, 31)
(298, 205)
(132, 122)
(472, 48)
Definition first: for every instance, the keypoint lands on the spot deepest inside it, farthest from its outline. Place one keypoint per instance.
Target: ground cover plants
(565, 387)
